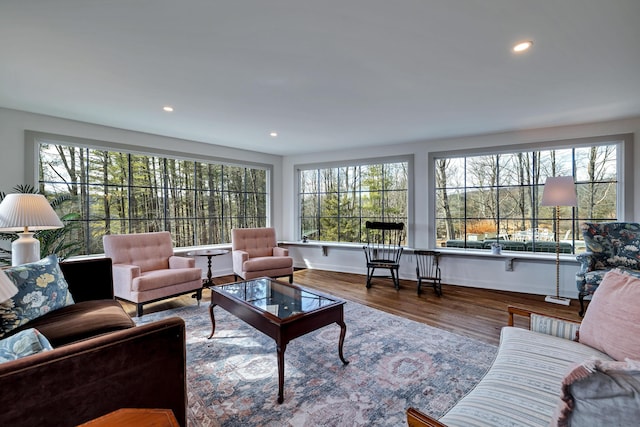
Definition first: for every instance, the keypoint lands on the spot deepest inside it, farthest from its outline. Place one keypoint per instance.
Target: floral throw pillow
(24, 343)
(41, 289)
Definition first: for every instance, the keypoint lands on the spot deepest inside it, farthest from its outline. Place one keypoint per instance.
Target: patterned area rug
(394, 363)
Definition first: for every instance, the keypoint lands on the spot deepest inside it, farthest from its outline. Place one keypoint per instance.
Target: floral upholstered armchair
(609, 245)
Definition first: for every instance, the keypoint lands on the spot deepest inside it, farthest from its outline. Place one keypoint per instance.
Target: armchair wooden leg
(291, 278)
(139, 309)
(581, 299)
(419, 286)
(198, 295)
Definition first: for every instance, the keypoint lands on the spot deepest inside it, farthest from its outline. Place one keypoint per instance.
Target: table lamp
(7, 288)
(559, 191)
(26, 212)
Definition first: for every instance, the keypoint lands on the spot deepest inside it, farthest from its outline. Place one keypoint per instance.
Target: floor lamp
(26, 212)
(559, 191)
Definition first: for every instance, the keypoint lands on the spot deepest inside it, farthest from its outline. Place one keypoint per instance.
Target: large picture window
(114, 192)
(495, 198)
(335, 202)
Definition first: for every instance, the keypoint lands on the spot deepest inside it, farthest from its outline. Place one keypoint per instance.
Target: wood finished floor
(475, 313)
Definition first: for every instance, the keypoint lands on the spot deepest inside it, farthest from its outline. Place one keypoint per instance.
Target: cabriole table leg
(213, 320)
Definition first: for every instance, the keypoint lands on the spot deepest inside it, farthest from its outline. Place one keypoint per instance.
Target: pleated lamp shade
(33, 211)
(26, 213)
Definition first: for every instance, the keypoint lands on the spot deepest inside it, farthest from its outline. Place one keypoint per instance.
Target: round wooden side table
(209, 253)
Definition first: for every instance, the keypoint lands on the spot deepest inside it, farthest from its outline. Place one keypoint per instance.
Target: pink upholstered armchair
(256, 253)
(146, 270)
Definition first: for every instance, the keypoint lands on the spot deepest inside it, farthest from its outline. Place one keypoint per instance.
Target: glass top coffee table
(282, 311)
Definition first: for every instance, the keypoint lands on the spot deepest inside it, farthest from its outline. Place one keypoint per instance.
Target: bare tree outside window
(442, 166)
(498, 199)
(118, 193)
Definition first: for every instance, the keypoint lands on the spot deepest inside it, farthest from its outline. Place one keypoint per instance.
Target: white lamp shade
(559, 191)
(7, 288)
(27, 212)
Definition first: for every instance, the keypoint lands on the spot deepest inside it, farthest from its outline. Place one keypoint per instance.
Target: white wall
(531, 275)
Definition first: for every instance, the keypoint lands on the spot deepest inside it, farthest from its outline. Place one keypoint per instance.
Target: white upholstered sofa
(542, 376)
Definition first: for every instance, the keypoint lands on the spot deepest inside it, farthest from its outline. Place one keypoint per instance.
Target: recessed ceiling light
(167, 108)
(273, 134)
(522, 46)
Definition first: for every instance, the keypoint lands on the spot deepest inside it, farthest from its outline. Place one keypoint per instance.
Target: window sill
(505, 255)
(539, 256)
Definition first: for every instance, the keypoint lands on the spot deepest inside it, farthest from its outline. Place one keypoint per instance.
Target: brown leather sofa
(101, 362)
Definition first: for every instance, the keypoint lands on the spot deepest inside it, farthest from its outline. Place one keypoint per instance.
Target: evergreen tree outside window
(336, 202)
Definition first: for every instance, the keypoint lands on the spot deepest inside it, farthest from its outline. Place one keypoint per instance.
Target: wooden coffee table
(282, 311)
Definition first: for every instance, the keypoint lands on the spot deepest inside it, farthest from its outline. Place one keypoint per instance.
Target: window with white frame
(335, 202)
(494, 198)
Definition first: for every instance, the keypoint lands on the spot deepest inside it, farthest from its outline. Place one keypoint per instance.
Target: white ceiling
(324, 74)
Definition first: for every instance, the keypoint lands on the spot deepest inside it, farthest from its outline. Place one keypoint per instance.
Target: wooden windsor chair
(384, 248)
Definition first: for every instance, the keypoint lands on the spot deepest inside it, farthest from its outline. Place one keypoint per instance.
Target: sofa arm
(181, 262)
(123, 275)
(416, 418)
(89, 279)
(140, 367)
(543, 323)
(278, 251)
(587, 262)
(239, 257)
